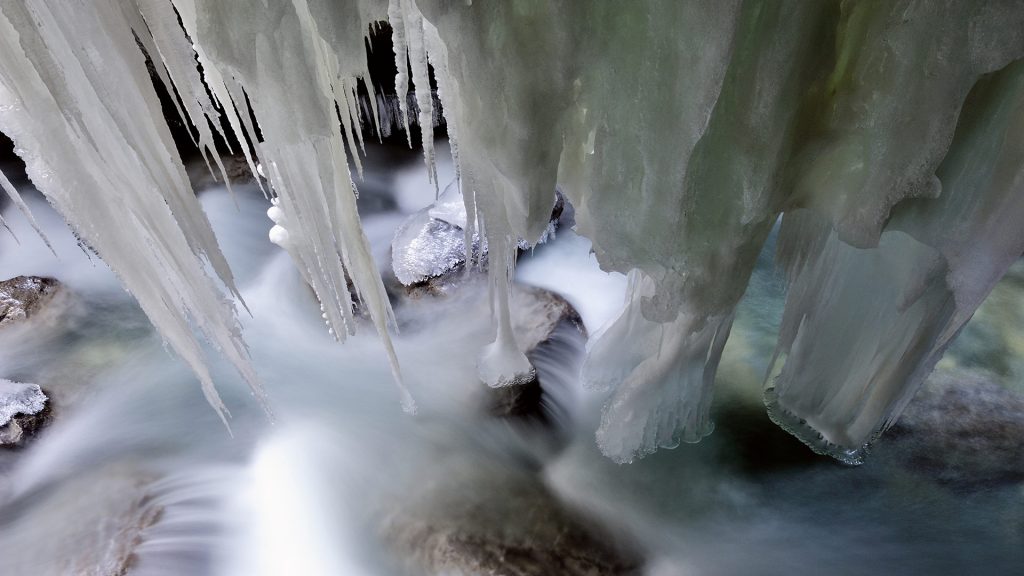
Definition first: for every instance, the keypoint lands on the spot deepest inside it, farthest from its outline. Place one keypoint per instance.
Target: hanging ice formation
(889, 133)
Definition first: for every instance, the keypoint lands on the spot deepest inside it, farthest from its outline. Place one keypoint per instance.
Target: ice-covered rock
(431, 243)
(24, 296)
(22, 411)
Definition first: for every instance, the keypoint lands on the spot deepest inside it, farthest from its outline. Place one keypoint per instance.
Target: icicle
(340, 95)
(231, 103)
(438, 56)
(502, 362)
(12, 193)
(179, 58)
(396, 15)
(8, 228)
(413, 23)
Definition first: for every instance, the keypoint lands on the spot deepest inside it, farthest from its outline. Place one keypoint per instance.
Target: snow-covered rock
(22, 297)
(431, 243)
(22, 411)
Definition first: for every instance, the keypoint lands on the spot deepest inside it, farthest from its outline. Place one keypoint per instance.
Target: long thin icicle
(15, 197)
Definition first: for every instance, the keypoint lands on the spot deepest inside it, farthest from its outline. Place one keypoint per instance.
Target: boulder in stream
(429, 248)
(23, 411)
(23, 297)
(963, 430)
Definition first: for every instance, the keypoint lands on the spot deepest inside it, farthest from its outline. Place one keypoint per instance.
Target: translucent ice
(864, 327)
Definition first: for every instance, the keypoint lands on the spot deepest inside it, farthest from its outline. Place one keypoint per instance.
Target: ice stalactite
(885, 117)
(410, 48)
(706, 212)
(162, 37)
(15, 197)
(80, 106)
(864, 327)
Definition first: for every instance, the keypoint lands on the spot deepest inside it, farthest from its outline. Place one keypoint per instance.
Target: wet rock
(536, 314)
(201, 177)
(516, 529)
(23, 297)
(962, 430)
(24, 410)
(429, 248)
(89, 524)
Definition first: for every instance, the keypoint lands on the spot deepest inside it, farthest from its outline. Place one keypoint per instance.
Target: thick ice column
(79, 103)
(661, 375)
(707, 191)
(885, 117)
(863, 327)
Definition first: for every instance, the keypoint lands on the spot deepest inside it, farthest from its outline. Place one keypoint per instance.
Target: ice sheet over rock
(431, 242)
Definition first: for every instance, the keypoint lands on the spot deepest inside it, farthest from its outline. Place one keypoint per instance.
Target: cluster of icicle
(888, 133)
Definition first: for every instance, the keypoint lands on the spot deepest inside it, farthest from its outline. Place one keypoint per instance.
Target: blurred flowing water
(137, 475)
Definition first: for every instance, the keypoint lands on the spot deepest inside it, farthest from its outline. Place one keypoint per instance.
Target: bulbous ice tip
(276, 214)
(278, 235)
(408, 404)
(501, 365)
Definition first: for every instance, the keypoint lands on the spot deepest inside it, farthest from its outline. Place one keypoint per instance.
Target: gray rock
(536, 314)
(517, 528)
(201, 177)
(25, 296)
(89, 524)
(963, 430)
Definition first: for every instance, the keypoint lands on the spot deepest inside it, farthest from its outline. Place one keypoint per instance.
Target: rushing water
(341, 482)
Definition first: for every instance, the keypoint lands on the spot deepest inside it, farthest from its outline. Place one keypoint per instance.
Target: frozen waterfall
(890, 135)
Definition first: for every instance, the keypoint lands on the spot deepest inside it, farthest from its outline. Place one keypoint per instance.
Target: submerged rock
(518, 528)
(90, 524)
(25, 296)
(23, 410)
